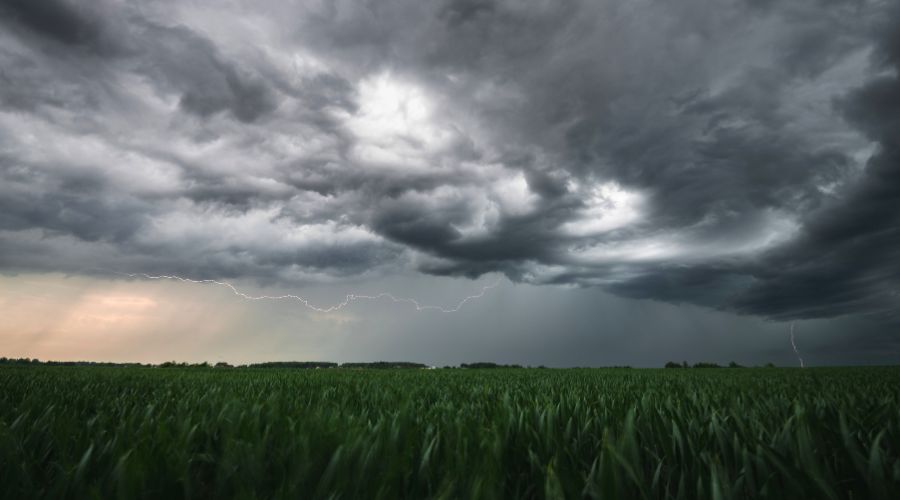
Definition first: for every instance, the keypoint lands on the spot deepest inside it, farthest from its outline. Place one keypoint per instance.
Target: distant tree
(383, 365)
(672, 364)
(684, 364)
(480, 364)
(222, 364)
(485, 364)
(770, 365)
(294, 364)
(734, 365)
(706, 365)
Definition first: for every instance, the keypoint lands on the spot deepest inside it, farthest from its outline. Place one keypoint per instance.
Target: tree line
(684, 364)
(324, 364)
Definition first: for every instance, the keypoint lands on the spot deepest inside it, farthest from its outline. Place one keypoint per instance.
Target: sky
(643, 181)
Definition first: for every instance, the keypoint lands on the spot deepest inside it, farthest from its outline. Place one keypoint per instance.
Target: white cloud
(607, 207)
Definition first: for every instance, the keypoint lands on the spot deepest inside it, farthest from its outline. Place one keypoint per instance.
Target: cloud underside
(741, 155)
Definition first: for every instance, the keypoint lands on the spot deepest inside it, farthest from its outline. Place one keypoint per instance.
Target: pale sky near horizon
(74, 318)
(649, 180)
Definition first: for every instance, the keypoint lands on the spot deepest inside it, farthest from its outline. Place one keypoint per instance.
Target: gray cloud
(737, 155)
(848, 257)
(56, 20)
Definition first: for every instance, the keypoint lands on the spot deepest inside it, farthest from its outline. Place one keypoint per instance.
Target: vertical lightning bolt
(794, 345)
(348, 299)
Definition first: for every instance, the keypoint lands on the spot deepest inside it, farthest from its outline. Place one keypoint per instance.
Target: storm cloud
(739, 155)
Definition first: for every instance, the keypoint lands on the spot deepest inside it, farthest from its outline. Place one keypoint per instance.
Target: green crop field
(98, 432)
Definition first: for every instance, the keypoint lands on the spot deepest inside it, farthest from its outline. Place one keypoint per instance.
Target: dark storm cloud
(848, 257)
(208, 84)
(58, 20)
(739, 155)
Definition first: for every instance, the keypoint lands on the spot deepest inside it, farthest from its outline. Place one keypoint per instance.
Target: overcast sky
(646, 179)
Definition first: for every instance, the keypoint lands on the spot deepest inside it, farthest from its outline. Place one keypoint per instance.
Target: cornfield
(98, 432)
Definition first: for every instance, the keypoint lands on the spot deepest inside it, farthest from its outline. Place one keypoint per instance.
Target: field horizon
(401, 364)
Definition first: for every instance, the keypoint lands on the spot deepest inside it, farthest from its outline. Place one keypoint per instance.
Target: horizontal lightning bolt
(336, 307)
